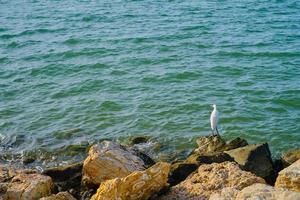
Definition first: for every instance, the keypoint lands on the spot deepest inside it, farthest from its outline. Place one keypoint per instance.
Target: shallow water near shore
(74, 73)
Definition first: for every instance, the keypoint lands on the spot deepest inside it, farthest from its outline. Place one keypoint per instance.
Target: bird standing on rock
(214, 119)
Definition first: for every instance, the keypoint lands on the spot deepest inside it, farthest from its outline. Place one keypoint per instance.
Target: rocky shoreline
(215, 170)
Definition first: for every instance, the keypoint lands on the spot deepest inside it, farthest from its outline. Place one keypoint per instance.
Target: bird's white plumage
(214, 118)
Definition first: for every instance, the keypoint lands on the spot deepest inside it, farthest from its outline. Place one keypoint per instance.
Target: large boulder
(255, 158)
(256, 191)
(289, 177)
(210, 179)
(109, 160)
(182, 169)
(139, 185)
(59, 196)
(290, 157)
(210, 150)
(24, 184)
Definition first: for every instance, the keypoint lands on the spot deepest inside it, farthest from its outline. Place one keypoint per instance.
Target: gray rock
(255, 158)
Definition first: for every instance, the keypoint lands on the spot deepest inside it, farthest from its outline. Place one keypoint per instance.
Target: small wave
(3, 29)
(4, 60)
(191, 28)
(79, 89)
(67, 134)
(90, 18)
(30, 32)
(201, 46)
(66, 54)
(12, 140)
(48, 70)
(84, 52)
(173, 77)
(259, 54)
(13, 45)
(72, 41)
(292, 102)
(234, 71)
(110, 106)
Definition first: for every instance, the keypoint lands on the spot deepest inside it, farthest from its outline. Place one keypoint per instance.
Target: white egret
(214, 119)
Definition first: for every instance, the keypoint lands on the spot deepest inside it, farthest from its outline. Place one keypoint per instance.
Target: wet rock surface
(138, 185)
(211, 178)
(139, 140)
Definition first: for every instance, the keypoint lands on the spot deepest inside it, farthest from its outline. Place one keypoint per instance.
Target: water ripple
(75, 74)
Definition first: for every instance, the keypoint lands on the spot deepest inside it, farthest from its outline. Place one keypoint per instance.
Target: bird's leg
(213, 132)
(217, 131)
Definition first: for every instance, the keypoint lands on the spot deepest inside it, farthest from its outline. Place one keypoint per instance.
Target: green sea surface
(73, 73)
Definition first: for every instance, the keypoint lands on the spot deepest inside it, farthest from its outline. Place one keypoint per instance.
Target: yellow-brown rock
(289, 177)
(290, 157)
(59, 196)
(210, 179)
(139, 185)
(255, 192)
(28, 185)
(109, 160)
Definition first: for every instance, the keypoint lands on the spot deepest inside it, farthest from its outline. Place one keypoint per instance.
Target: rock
(210, 179)
(147, 160)
(210, 150)
(255, 158)
(28, 185)
(28, 160)
(109, 160)
(225, 194)
(59, 196)
(289, 177)
(256, 191)
(6, 173)
(179, 171)
(209, 144)
(86, 195)
(290, 157)
(138, 185)
(139, 139)
(66, 177)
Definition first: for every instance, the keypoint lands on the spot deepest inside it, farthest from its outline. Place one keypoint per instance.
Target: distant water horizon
(73, 73)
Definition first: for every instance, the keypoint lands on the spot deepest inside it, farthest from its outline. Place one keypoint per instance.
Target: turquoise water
(76, 72)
